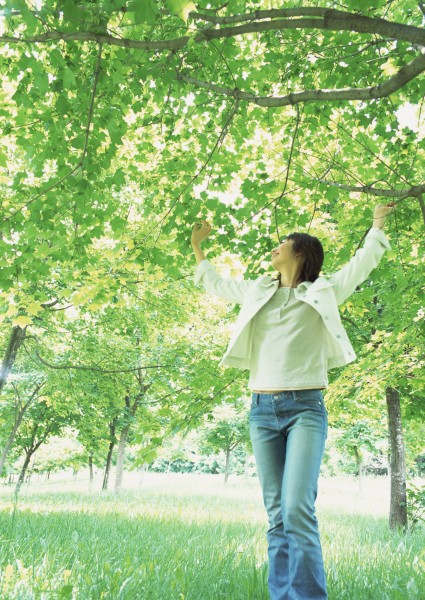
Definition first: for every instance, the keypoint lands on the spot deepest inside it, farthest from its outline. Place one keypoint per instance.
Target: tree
(354, 441)
(119, 131)
(227, 430)
(41, 423)
(398, 505)
(21, 405)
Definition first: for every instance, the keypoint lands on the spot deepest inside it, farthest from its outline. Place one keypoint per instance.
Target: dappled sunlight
(139, 139)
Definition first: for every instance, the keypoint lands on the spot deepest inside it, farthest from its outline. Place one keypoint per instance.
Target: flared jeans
(288, 432)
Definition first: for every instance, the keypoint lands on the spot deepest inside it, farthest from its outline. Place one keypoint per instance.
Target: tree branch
(100, 38)
(83, 154)
(37, 196)
(317, 18)
(196, 401)
(288, 166)
(50, 303)
(337, 18)
(93, 95)
(391, 85)
(217, 145)
(358, 141)
(95, 369)
(331, 20)
(414, 191)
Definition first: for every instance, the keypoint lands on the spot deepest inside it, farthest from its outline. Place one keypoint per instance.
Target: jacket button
(338, 336)
(316, 301)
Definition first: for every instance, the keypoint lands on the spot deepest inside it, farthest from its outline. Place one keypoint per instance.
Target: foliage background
(125, 122)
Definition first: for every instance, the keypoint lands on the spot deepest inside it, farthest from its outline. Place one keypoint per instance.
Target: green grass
(153, 545)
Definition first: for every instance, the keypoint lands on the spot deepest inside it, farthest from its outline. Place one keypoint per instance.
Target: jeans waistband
(257, 395)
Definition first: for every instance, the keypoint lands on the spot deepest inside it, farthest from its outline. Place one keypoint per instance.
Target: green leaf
(68, 78)
(145, 11)
(71, 11)
(110, 6)
(41, 82)
(56, 58)
(22, 321)
(62, 105)
(332, 192)
(34, 308)
(118, 225)
(181, 8)
(77, 142)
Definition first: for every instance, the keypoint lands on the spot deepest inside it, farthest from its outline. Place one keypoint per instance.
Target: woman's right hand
(200, 232)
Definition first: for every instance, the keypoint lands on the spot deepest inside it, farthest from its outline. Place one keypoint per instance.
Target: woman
(288, 334)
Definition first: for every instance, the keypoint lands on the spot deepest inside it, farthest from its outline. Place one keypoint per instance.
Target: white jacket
(324, 295)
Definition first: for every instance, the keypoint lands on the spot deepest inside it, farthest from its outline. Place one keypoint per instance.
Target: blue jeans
(288, 432)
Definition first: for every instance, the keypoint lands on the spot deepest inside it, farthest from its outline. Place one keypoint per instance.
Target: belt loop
(258, 399)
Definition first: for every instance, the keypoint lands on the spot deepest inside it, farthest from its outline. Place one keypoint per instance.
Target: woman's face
(284, 254)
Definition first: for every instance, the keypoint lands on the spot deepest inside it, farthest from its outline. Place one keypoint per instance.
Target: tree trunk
(143, 469)
(15, 341)
(108, 466)
(109, 457)
(21, 478)
(91, 471)
(120, 458)
(398, 508)
(359, 464)
(9, 443)
(130, 411)
(246, 465)
(226, 468)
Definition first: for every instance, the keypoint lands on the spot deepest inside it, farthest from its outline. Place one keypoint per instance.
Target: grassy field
(183, 537)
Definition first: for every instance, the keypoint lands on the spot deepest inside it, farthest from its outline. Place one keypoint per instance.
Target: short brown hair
(311, 250)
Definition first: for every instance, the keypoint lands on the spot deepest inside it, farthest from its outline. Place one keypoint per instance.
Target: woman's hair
(311, 250)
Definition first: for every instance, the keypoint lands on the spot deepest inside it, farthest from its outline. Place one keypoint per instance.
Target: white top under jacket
(324, 295)
(288, 345)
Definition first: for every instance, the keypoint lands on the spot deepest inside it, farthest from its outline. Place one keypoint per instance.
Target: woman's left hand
(381, 212)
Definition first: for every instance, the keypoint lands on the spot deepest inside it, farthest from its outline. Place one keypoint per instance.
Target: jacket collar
(321, 282)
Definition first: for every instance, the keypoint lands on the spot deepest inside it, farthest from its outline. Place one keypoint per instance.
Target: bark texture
(91, 471)
(24, 470)
(279, 20)
(227, 467)
(398, 506)
(120, 458)
(15, 341)
(112, 427)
